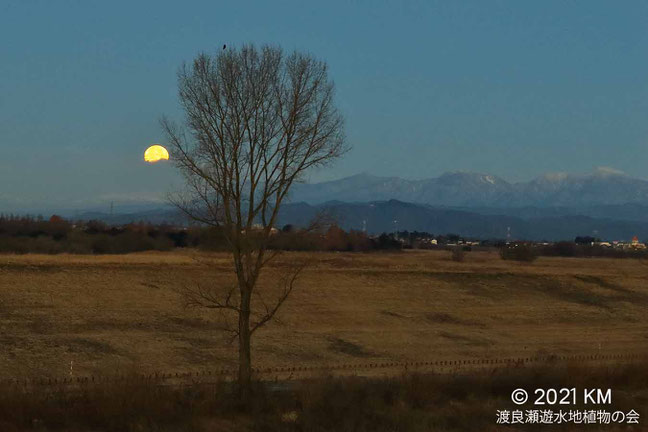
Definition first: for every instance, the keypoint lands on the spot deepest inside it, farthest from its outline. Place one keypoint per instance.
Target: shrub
(519, 252)
(566, 249)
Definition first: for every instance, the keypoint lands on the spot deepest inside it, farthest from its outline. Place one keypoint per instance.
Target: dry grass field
(119, 313)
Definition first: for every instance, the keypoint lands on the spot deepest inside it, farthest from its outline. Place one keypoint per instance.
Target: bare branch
(209, 298)
(288, 284)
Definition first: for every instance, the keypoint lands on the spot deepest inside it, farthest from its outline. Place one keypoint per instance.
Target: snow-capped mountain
(604, 186)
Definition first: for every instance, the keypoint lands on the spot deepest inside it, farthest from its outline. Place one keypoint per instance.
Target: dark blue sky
(511, 88)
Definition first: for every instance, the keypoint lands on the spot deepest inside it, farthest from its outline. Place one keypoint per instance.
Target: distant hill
(387, 216)
(155, 216)
(628, 212)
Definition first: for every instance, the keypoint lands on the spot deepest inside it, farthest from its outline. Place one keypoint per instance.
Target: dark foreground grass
(430, 402)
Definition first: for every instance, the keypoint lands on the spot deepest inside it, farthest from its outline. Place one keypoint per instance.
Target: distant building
(636, 245)
(259, 227)
(602, 244)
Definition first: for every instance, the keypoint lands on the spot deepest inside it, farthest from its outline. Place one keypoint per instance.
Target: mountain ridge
(392, 215)
(603, 186)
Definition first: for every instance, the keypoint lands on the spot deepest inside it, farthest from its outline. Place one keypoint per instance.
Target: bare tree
(256, 121)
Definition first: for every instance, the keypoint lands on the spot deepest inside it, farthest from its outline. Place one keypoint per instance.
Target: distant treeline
(27, 234)
(529, 252)
(574, 249)
(331, 239)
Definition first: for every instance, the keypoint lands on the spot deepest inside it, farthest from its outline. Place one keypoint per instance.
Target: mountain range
(605, 203)
(602, 187)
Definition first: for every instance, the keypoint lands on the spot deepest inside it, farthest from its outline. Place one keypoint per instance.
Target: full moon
(156, 153)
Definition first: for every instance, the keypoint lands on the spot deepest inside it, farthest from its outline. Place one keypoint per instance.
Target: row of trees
(586, 249)
(27, 234)
(529, 252)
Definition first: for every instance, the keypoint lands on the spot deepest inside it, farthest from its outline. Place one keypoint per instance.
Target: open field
(118, 313)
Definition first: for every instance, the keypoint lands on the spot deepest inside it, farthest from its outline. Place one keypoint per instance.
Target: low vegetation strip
(466, 400)
(279, 373)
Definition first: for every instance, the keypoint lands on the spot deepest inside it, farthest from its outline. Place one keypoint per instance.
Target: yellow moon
(156, 153)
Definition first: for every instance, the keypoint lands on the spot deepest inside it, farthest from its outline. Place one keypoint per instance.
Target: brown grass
(110, 314)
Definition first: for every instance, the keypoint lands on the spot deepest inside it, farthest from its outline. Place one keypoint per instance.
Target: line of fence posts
(158, 376)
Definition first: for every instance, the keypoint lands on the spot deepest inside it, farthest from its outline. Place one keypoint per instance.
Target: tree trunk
(245, 361)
